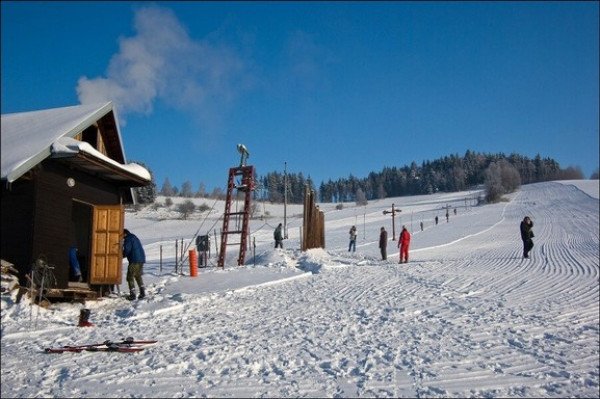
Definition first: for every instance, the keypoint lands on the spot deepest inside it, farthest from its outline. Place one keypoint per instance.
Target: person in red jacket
(403, 244)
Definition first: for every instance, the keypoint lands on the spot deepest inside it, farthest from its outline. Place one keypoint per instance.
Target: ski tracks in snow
(468, 319)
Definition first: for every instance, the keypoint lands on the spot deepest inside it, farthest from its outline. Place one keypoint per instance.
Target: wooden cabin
(65, 181)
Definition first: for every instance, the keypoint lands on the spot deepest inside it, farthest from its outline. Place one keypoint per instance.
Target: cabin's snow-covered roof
(30, 137)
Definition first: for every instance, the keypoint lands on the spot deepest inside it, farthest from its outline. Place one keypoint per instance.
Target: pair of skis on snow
(128, 345)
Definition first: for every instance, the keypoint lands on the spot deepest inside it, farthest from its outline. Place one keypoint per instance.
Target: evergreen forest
(448, 174)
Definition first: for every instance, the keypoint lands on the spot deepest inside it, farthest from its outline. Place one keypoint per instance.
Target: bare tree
(217, 193)
(511, 179)
(361, 198)
(571, 173)
(381, 191)
(186, 189)
(500, 178)
(493, 183)
(186, 208)
(201, 190)
(167, 188)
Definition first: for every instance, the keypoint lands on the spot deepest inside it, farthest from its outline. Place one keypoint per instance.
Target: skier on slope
(278, 236)
(383, 243)
(403, 244)
(353, 235)
(527, 235)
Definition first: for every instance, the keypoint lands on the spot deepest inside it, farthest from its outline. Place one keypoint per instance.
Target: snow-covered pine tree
(146, 194)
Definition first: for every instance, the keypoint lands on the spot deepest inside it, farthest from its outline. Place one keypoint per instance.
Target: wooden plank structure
(77, 292)
(313, 224)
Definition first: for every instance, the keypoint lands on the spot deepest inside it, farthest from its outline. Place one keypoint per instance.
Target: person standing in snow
(527, 235)
(278, 236)
(403, 243)
(353, 234)
(383, 243)
(74, 263)
(134, 252)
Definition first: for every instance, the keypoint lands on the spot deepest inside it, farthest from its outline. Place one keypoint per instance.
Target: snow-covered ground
(466, 317)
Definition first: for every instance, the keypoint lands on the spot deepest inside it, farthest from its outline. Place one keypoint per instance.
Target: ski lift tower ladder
(246, 186)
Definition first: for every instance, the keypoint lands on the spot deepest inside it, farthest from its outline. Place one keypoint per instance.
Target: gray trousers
(134, 274)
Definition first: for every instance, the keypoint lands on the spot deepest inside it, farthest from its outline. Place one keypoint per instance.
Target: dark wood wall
(39, 214)
(16, 224)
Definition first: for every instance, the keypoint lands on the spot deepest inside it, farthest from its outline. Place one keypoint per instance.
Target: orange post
(193, 263)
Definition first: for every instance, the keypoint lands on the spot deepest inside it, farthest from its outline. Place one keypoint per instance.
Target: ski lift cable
(214, 224)
(202, 224)
(260, 228)
(199, 228)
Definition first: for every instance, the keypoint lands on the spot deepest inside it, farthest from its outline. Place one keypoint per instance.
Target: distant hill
(448, 174)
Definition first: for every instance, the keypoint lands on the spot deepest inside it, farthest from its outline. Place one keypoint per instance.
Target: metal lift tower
(246, 186)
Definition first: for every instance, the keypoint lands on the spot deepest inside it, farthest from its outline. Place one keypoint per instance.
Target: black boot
(84, 316)
(142, 293)
(131, 296)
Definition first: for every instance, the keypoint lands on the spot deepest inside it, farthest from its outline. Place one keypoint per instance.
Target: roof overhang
(84, 157)
(104, 170)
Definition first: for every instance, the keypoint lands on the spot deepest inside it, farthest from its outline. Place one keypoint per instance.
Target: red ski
(127, 345)
(61, 350)
(112, 348)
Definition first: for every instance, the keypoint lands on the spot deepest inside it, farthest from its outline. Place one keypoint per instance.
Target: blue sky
(331, 88)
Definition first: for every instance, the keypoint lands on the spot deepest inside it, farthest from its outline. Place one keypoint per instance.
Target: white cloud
(162, 62)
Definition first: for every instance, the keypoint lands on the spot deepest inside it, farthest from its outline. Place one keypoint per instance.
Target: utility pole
(285, 232)
(393, 212)
(364, 221)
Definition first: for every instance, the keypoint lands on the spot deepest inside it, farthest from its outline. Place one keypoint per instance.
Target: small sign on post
(393, 212)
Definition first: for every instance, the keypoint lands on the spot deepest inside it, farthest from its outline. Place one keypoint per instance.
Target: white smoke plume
(161, 62)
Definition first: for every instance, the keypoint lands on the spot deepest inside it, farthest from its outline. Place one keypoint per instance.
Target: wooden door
(106, 256)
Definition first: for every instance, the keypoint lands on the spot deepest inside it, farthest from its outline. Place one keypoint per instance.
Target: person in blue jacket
(74, 263)
(134, 252)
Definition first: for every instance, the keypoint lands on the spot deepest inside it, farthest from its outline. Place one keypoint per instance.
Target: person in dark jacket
(278, 236)
(353, 235)
(383, 243)
(527, 236)
(134, 252)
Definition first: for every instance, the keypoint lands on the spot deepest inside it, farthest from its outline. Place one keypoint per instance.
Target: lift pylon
(246, 186)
